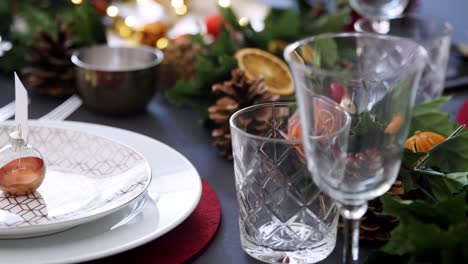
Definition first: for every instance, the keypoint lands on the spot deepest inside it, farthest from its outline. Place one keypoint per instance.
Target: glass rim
(79, 62)
(292, 46)
(285, 104)
(447, 28)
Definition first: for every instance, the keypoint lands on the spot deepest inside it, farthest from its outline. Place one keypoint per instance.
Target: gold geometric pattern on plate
(112, 174)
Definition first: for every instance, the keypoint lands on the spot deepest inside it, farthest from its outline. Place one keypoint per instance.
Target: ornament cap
(16, 139)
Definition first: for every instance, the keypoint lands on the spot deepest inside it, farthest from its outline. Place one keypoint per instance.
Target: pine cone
(375, 226)
(235, 94)
(50, 69)
(178, 64)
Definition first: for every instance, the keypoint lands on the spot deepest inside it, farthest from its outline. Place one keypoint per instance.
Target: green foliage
(217, 62)
(427, 233)
(283, 24)
(326, 53)
(230, 17)
(225, 45)
(410, 158)
(446, 168)
(210, 72)
(433, 218)
(5, 18)
(187, 93)
(333, 22)
(88, 27)
(41, 14)
(451, 155)
(428, 117)
(212, 68)
(445, 185)
(366, 123)
(288, 25)
(365, 126)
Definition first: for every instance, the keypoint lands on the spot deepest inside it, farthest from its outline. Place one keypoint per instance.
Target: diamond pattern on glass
(279, 204)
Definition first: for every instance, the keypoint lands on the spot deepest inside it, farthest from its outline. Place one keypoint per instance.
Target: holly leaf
(6, 17)
(284, 24)
(88, 27)
(327, 52)
(257, 39)
(228, 14)
(190, 94)
(427, 243)
(459, 178)
(208, 72)
(411, 158)
(444, 186)
(14, 59)
(413, 235)
(36, 18)
(224, 45)
(450, 155)
(428, 233)
(437, 122)
(431, 106)
(212, 68)
(197, 39)
(406, 179)
(366, 126)
(183, 93)
(333, 22)
(427, 117)
(441, 213)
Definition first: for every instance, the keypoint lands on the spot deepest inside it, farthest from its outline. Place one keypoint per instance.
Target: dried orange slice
(258, 63)
(423, 141)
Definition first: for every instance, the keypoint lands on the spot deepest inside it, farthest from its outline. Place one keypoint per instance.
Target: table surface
(179, 128)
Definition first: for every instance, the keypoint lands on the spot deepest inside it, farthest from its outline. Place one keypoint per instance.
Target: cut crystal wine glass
(375, 78)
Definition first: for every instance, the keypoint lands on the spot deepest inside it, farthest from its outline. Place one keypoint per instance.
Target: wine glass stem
(351, 217)
(381, 26)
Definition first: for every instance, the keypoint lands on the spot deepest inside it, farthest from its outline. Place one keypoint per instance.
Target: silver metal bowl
(116, 80)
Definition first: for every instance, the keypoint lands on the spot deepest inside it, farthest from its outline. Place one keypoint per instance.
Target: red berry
(462, 115)
(213, 24)
(337, 91)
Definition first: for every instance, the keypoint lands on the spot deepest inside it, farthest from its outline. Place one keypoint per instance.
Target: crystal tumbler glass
(434, 35)
(283, 216)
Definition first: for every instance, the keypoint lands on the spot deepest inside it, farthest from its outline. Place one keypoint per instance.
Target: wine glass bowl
(375, 78)
(379, 11)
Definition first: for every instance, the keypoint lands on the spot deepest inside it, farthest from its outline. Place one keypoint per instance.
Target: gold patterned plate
(87, 177)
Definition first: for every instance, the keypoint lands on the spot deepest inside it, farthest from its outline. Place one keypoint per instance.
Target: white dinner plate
(87, 177)
(175, 181)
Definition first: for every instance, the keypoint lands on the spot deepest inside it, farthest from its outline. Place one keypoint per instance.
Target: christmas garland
(44, 34)
(423, 217)
(215, 63)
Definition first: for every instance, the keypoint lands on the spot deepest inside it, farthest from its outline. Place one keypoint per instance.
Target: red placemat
(183, 242)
